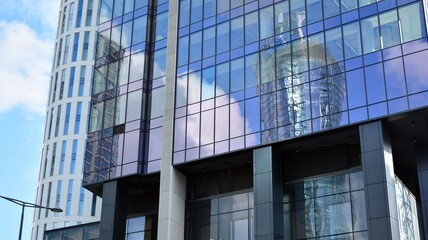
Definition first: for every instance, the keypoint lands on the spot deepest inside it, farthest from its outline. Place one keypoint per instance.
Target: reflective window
(412, 22)
(370, 38)
(415, 68)
(375, 84)
(77, 119)
(139, 30)
(75, 47)
(67, 118)
(394, 78)
(355, 81)
(161, 26)
(85, 46)
(71, 82)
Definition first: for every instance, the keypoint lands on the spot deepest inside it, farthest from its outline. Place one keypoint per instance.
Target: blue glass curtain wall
(257, 72)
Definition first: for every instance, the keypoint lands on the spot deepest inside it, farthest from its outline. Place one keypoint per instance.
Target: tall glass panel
(412, 22)
(352, 40)
(370, 38)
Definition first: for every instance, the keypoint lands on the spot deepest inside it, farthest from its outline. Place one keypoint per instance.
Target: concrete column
(422, 165)
(268, 212)
(114, 211)
(172, 196)
(379, 182)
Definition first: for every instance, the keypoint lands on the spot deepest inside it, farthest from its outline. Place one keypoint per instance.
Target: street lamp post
(24, 205)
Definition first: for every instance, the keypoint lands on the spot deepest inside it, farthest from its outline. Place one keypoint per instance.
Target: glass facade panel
(323, 208)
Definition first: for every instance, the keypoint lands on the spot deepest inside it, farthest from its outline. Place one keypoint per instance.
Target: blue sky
(27, 35)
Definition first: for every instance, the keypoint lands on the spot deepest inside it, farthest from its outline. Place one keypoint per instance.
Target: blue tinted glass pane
(208, 83)
(352, 40)
(356, 88)
(252, 115)
(195, 46)
(397, 105)
(140, 29)
(183, 49)
(370, 38)
(415, 66)
(222, 79)
(251, 28)
(209, 42)
(184, 12)
(378, 110)
(237, 74)
(196, 11)
(394, 78)
(237, 32)
(358, 115)
(251, 70)
(313, 8)
(412, 22)
(375, 84)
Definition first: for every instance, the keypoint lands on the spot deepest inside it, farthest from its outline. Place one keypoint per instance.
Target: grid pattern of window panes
(126, 115)
(259, 72)
(141, 227)
(326, 208)
(222, 217)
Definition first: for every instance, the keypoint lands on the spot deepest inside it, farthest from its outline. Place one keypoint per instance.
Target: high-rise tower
(61, 164)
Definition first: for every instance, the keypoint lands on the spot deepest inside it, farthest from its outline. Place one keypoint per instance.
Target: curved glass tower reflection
(61, 166)
(301, 96)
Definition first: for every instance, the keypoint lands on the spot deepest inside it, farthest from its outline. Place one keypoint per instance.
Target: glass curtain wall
(257, 72)
(330, 207)
(125, 123)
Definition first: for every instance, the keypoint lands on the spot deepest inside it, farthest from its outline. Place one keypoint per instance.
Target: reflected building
(255, 119)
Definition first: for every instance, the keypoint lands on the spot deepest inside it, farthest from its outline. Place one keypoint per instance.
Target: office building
(62, 156)
(260, 119)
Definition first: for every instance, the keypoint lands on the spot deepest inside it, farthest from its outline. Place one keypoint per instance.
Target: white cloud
(25, 64)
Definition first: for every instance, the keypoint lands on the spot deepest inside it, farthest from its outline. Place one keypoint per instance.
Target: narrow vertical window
(58, 117)
(71, 81)
(67, 118)
(40, 202)
(85, 46)
(78, 116)
(70, 17)
(79, 13)
(75, 47)
(69, 197)
(94, 204)
(82, 80)
(58, 195)
(81, 201)
(88, 20)
(73, 157)
(58, 57)
(66, 49)
(48, 200)
(61, 89)
(53, 159)
(62, 161)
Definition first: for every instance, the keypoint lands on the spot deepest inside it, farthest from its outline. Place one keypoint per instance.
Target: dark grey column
(422, 163)
(114, 211)
(268, 212)
(379, 182)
